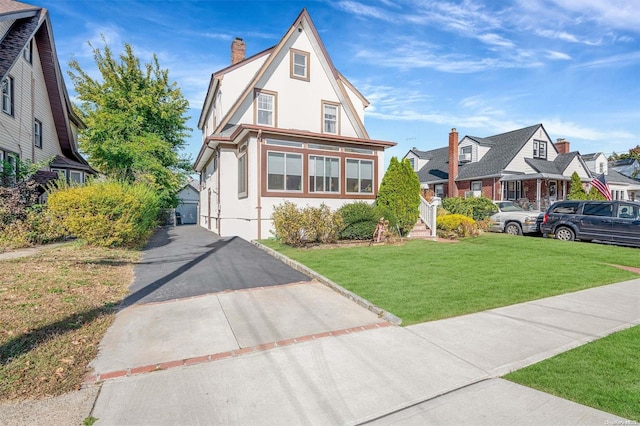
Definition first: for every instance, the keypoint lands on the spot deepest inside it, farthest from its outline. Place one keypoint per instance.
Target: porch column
(564, 189)
(538, 194)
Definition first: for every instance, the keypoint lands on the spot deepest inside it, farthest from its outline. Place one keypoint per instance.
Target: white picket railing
(428, 212)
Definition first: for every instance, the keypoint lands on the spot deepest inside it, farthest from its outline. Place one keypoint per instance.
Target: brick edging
(388, 316)
(133, 371)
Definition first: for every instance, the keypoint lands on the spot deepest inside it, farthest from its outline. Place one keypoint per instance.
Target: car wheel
(565, 234)
(513, 228)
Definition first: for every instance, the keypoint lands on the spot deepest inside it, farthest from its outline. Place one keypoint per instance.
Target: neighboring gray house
(627, 167)
(188, 207)
(515, 165)
(621, 184)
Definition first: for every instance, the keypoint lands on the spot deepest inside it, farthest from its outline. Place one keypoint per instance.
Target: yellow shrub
(456, 226)
(107, 214)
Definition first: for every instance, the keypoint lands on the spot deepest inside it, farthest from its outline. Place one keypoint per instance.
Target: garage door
(189, 213)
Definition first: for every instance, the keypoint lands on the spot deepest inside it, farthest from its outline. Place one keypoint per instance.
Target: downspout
(259, 189)
(218, 204)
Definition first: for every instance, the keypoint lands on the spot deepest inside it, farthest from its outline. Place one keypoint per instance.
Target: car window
(598, 209)
(626, 211)
(565, 208)
(510, 207)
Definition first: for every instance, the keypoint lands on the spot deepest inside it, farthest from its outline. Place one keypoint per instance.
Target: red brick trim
(99, 377)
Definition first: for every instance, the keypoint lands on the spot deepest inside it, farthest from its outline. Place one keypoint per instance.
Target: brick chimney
(453, 163)
(238, 49)
(562, 146)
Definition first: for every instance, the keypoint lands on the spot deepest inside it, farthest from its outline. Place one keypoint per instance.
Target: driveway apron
(196, 295)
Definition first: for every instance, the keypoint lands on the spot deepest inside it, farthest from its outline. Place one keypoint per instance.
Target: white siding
(576, 166)
(30, 101)
(519, 164)
(4, 27)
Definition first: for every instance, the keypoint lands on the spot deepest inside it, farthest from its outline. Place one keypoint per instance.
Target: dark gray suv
(616, 222)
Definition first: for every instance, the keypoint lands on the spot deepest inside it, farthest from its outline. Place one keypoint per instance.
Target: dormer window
(299, 64)
(465, 154)
(540, 149)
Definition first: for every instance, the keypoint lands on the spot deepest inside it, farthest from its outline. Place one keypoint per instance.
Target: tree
(136, 123)
(400, 193)
(576, 191)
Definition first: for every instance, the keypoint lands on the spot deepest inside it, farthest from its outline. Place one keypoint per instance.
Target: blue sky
(482, 66)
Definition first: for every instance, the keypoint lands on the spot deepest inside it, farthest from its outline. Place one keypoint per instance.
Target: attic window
(540, 149)
(299, 64)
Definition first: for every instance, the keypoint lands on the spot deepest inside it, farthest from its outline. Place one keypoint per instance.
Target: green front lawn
(604, 374)
(426, 280)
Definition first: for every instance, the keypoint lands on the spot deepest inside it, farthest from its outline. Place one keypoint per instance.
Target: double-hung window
(540, 149)
(330, 116)
(359, 176)
(299, 65)
(266, 108)
(284, 171)
(324, 174)
(37, 133)
(7, 95)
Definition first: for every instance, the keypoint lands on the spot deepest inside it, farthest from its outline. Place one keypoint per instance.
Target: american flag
(600, 183)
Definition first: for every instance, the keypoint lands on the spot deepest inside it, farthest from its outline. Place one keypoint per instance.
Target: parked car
(513, 219)
(616, 222)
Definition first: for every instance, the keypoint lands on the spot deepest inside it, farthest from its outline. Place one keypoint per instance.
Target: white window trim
(10, 95)
(37, 133)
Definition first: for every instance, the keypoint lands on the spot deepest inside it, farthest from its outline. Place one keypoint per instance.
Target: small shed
(187, 209)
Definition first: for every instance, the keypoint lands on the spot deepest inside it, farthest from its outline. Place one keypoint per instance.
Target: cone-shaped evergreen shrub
(400, 193)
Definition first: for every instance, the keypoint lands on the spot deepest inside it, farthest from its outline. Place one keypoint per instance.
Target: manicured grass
(55, 307)
(426, 280)
(604, 374)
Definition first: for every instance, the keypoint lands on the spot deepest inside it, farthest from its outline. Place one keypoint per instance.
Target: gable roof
(615, 177)
(303, 20)
(33, 22)
(505, 147)
(591, 156)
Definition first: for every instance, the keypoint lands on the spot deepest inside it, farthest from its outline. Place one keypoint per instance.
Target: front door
(553, 191)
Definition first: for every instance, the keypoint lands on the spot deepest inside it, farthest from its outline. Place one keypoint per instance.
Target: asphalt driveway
(187, 261)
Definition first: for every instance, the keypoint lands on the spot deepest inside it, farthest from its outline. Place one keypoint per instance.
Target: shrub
(359, 219)
(16, 200)
(323, 225)
(109, 214)
(297, 227)
(400, 193)
(477, 208)
(455, 226)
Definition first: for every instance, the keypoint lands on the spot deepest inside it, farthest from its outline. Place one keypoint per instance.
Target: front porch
(538, 191)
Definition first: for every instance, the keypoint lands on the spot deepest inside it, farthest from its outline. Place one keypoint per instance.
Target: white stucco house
(36, 119)
(280, 125)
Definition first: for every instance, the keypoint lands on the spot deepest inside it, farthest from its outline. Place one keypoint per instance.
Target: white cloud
(552, 54)
(495, 39)
(363, 10)
(623, 59)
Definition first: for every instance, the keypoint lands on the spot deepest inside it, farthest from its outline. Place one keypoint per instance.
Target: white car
(513, 219)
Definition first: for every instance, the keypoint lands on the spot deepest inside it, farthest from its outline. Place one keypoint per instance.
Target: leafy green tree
(594, 194)
(400, 193)
(136, 123)
(576, 191)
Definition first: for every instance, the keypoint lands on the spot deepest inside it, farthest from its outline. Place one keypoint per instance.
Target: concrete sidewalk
(442, 372)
